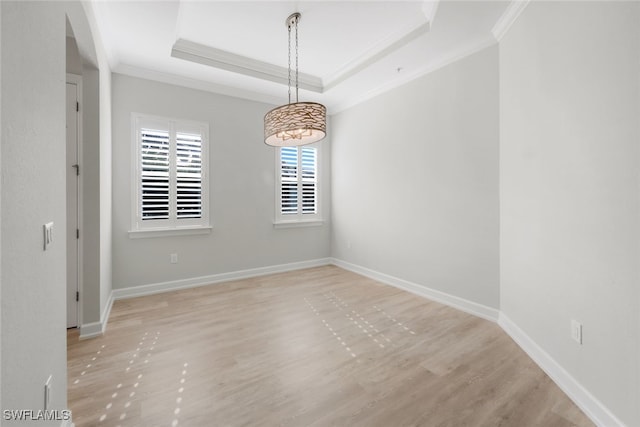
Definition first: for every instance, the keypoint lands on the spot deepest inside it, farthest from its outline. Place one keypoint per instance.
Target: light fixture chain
(289, 50)
(296, 59)
(296, 123)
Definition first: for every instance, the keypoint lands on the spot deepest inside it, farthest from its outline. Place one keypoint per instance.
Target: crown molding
(376, 53)
(430, 8)
(332, 108)
(385, 47)
(509, 16)
(173, 79)
(457, 55)
(217, 58)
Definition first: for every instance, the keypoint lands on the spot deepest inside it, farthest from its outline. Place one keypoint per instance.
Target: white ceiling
(349, 50)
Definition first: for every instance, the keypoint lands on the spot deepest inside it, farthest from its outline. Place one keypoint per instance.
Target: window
(170, 187)
(297, 188)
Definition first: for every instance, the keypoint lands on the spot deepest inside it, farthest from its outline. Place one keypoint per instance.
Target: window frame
(173, 225)
(299, 219)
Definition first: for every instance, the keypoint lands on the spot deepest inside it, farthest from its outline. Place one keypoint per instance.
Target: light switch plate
(576, 331)
(48, 235)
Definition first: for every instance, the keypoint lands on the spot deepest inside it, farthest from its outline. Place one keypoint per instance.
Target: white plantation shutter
(171, 169)
(154, 174)
(308, 161)
(298, 183)
(189, 175)
(289, 180)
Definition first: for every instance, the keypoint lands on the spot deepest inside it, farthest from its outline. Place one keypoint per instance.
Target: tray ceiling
(349, 50)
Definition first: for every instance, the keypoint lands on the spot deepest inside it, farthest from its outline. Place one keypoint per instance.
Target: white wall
(242, 174)
(415, 181)
(33, 192)
(569, 190)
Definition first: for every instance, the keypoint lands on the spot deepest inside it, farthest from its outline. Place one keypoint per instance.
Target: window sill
(165, 232)
(296, 224)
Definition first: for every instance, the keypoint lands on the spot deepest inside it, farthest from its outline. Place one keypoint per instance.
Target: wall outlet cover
(47, 393)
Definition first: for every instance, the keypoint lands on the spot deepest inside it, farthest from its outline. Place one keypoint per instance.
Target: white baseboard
(95, 329)
(155, 288)
(90, 330)
(591, 406)
(462, 304)
(67, 423)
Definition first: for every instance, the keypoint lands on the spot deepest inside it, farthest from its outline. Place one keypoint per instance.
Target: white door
(72, 205)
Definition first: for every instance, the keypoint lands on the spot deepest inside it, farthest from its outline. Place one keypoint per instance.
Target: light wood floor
(317, 347)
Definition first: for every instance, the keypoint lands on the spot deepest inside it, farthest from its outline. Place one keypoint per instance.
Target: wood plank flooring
(316, 347)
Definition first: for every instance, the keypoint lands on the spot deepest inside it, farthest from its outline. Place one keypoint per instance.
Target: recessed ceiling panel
(350, 50)
(331, 34)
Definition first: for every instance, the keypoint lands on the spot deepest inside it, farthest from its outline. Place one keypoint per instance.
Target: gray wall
(95, 164)
(74, 61)
(1, 139)
(33, 192)
(415, 184)
(415, 181)
(242, 193)
(91, 212)
(105, 225)
(569, 190)
(33, 311)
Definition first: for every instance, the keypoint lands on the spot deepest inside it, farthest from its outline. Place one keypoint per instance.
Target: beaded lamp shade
(295, 123)
(299, 123)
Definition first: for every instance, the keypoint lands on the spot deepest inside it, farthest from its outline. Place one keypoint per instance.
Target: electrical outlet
(576, 331)
(47, 393)
(48, 235)
(174, 258)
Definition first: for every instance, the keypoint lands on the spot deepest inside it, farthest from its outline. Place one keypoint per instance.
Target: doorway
(74, 89)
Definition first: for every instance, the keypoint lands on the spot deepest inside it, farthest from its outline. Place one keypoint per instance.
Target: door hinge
(77, 296)
(77, 233)
(77, 106)
(77, 168)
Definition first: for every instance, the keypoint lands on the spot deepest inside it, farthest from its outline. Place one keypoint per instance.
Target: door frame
(77, 80)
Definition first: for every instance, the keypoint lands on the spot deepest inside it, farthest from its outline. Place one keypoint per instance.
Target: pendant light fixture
(297, 123)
